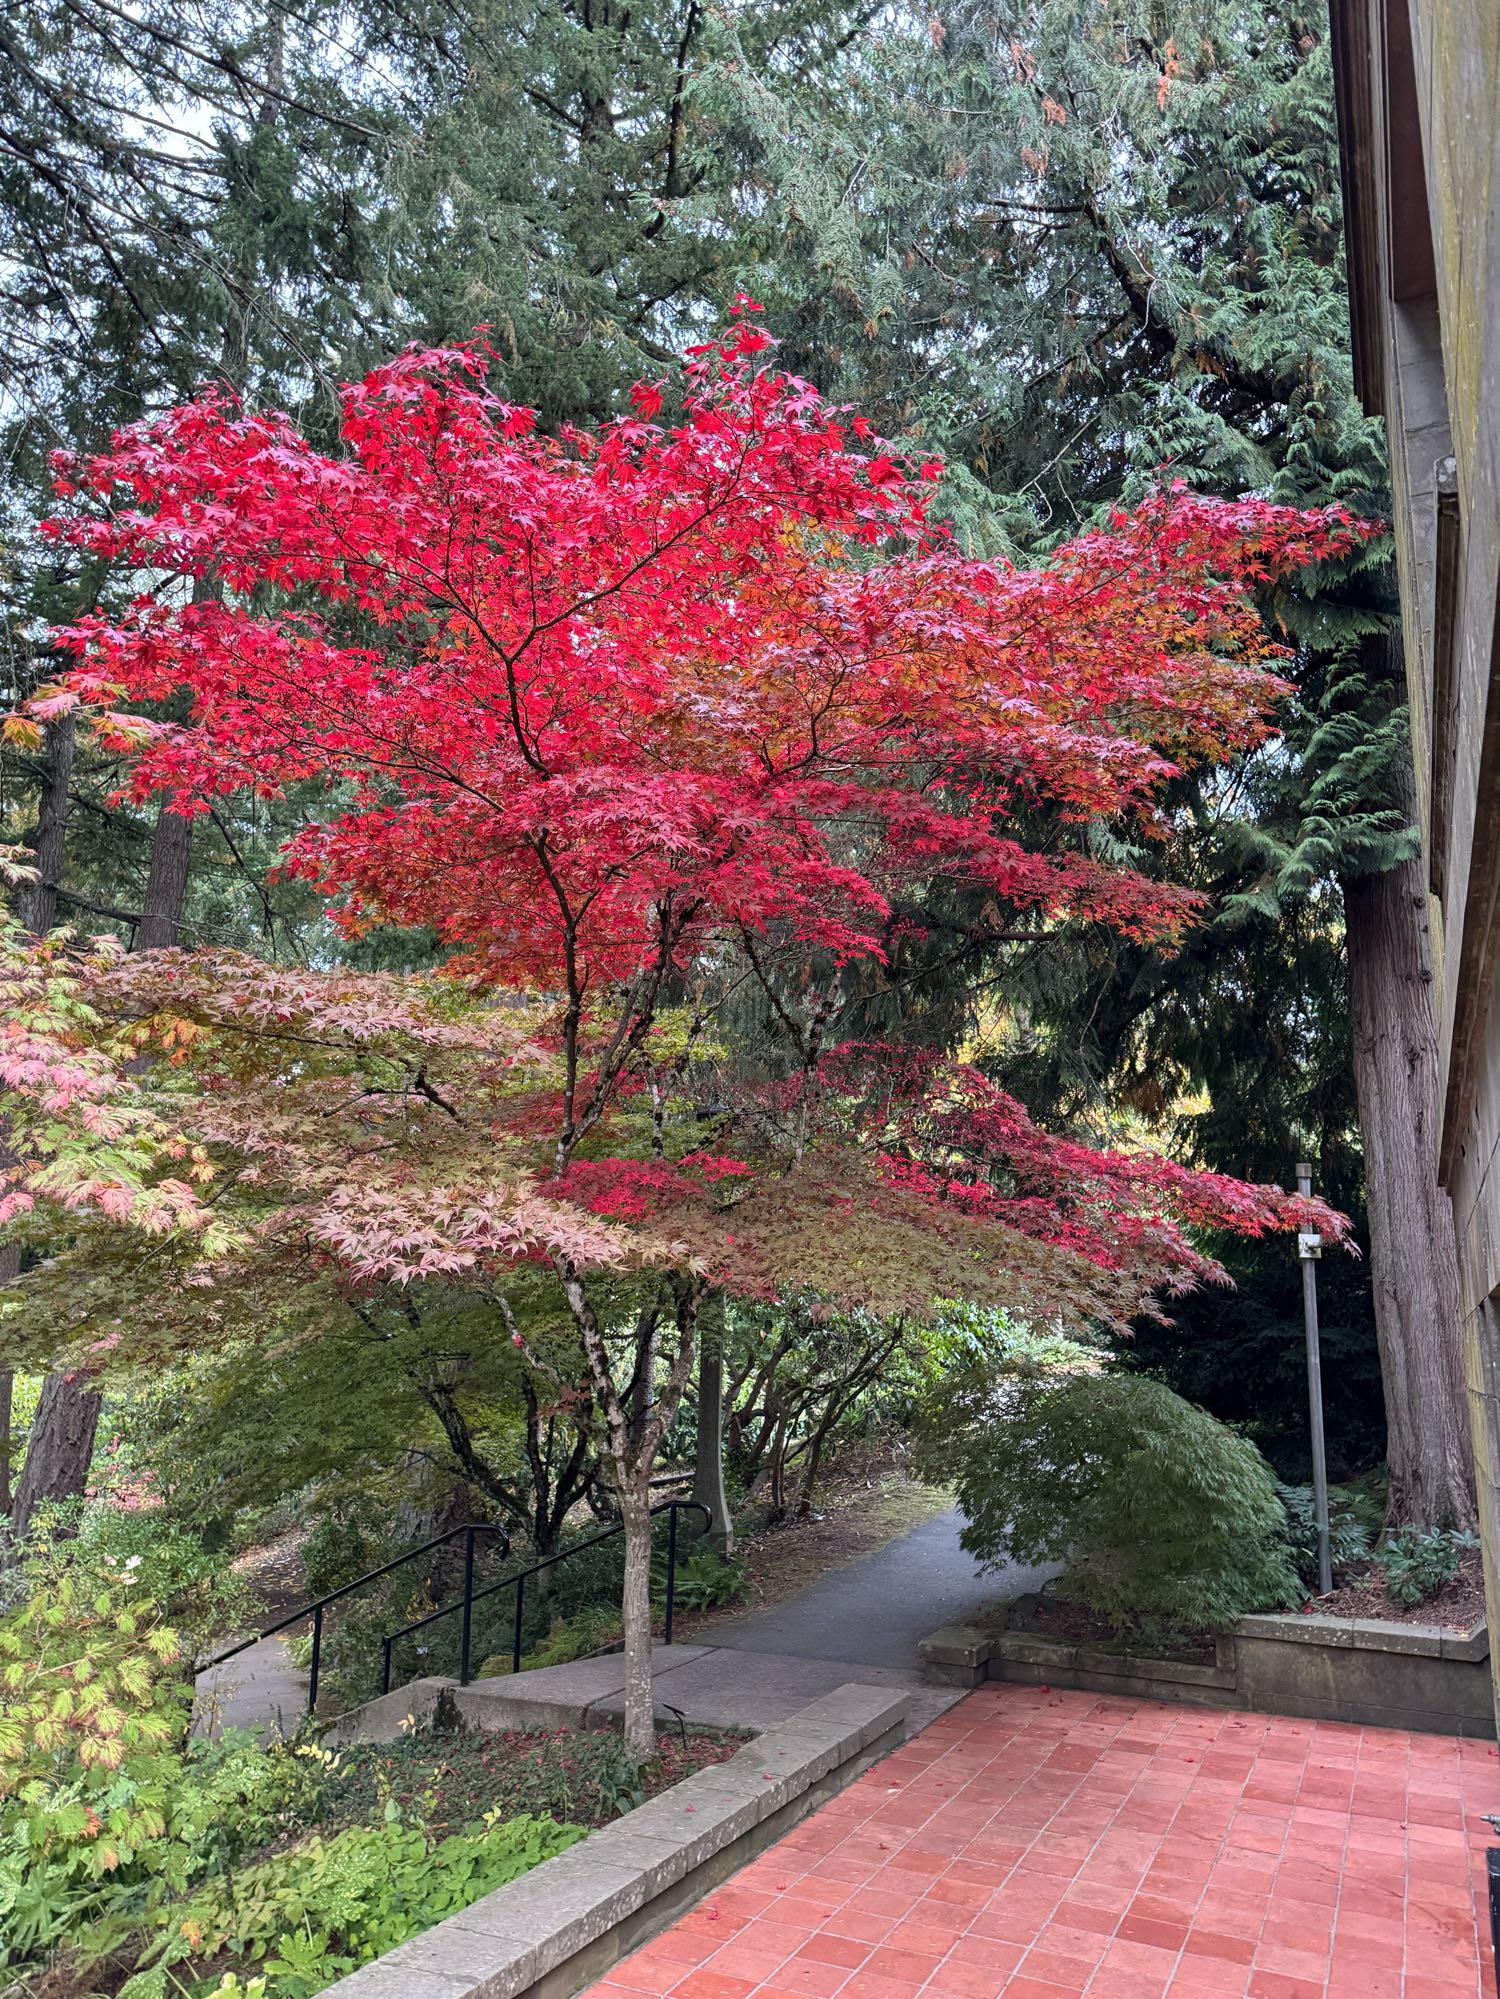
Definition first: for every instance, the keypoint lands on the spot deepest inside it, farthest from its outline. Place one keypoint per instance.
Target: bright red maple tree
(629, 717)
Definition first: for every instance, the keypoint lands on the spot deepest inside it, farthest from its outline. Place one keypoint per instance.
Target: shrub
(1417, 1563)
(567, 1639)
(704, 1579)
(1163, 1519)
(124, 1840)
(320, 1909)
(962, 1333)
(106, 1806)
(1350, 1532)
(92, 1714)
(198, 1591)
(581, 1776)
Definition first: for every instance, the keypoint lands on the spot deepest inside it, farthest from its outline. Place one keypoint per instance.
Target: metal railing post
(671, 1569)
(317, 1654)
(385, 1671)
(464, 1644)
(515, 1635)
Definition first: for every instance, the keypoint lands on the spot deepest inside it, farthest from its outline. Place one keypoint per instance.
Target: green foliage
(93, 1709)
(1242, 1354)
(1163, 1519)
(106, 1806)
(1418, 1562)
(704, 1579)
(116, 1829)
(580, 1775)
(568, 1638)
(328, 1905)
(197, 1590)
(1351, 1529)
(963, 1334)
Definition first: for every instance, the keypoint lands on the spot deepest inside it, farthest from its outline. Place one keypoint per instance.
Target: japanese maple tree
(630, 717)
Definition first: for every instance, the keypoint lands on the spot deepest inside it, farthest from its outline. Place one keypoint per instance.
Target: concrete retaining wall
(1365, 1670)
(563, 1925)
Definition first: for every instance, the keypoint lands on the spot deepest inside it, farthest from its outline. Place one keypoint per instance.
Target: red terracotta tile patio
(1041, 1845)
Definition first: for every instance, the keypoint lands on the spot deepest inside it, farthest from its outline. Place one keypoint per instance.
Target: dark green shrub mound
(1417, 1563)
(1164, 1519)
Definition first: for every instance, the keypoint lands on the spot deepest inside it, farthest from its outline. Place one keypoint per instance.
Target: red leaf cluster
(608, 708)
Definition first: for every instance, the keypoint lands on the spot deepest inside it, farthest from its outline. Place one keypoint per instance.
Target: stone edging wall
(567, 1922)
(1364, 1670)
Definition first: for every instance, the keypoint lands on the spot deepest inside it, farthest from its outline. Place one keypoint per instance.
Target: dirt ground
(274, 1572)
(1459, 1604)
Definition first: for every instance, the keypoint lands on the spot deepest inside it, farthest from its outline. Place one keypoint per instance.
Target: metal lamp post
(1309, 1249)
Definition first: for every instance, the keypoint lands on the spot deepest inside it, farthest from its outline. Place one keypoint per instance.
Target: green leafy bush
(93, 1709)
(963, 1333)
(126, 1843)
(107, 1807)
(1163, 1519)
(1416, 1564)
(1351, 1532)
(567, 1639)
(198, 1591)
(704, 1579)
(324, 1907)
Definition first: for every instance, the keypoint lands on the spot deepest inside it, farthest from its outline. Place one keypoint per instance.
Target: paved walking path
(258, 1688)
(862, 1622)
(703, 1686)
(874, 1611)
(1036, 1845)
(859, 1623)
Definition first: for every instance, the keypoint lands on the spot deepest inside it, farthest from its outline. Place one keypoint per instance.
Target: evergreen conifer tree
(1075, 246)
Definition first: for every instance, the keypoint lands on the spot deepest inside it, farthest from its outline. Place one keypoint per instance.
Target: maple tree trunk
(708, 1454)
(640, 1706)
(61, 1447)
(1413, 1255)
(631, 1453)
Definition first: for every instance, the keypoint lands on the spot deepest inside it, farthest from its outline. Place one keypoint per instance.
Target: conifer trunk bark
(7, 1403)
(36, 905)
(60, 1444)
(60, 1449)
(166, 885)
(1413, 1252)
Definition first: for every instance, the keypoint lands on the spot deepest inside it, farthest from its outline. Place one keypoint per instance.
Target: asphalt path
(873, 1612)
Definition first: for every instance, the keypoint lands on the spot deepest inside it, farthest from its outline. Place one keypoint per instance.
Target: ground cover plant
(583, 1776)
(138, 1860)
(305, 1917)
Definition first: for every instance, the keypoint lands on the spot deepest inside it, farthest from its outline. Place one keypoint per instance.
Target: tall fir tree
(1078, 246)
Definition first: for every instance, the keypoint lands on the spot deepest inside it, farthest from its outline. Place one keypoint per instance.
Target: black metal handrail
(471, 1596)
(316, 1608)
